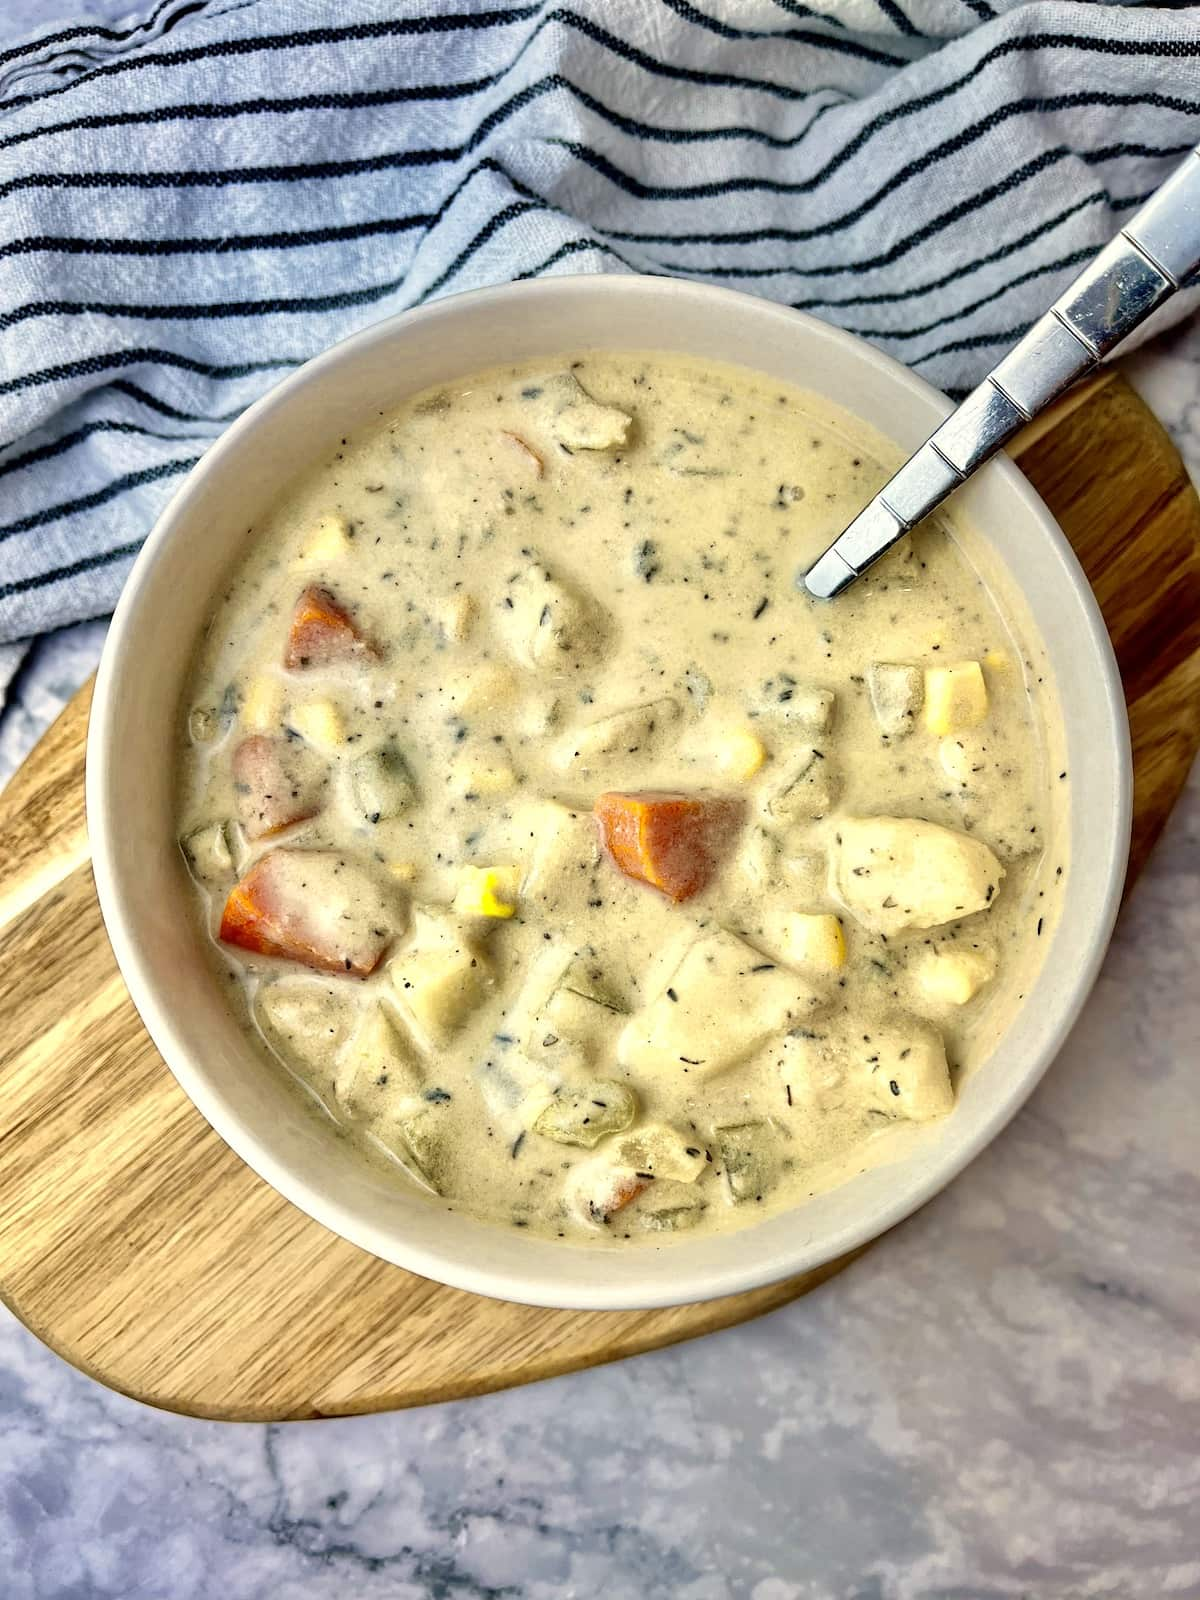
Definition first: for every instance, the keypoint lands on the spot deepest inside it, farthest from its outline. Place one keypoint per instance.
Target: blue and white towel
(199, 197)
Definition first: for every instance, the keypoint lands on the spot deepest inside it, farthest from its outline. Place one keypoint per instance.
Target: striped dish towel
(201, 196)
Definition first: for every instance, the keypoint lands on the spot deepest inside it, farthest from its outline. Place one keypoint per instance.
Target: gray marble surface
(1002, 1399)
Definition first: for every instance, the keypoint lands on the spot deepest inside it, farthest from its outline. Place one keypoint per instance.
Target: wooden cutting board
(141, 1249)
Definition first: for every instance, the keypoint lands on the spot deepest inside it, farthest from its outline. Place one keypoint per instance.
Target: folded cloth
(204, 195)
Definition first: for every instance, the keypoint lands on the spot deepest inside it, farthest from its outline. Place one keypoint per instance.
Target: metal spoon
(1143, 266)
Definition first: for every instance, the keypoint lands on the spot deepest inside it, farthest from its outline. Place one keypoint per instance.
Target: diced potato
(329, 540)
(379, 1066)
(381, 783)
(804, 706)
(416, 1138)
(963, 758)
(441, 975)
(897, 1067)
(742, 1150)
(489, 684)
(208, 853)
(625, 733)
(539, 715)
(897, 693)
(660, 1151)
(546, 623)
(317, 907)
(277, 783)
(808, 789)
(722, 1002)
(672, 842)
(581, 423)
(955, 974)
(893, 873)
(487, 891)
(955, 697)
(306, 1022)
(473, 775)
(262, 709)
(586, 1115)
(320, 724)
(456, 615)
(759, 860)
(578, 1014)
(813, 940)
(563, 844)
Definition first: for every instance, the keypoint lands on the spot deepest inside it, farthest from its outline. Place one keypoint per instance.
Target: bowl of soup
(523, 874)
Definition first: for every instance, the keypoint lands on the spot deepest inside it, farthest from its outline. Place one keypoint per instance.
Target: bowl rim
(535, 1288)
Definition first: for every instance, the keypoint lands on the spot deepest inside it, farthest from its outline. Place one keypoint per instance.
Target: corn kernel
(487, 891)
(814, 939)
(263, 705)
(955, 697)
(996, 660)
(740, 754)
(403, 871)
(319, 723)
(328, 540)
(952, 977)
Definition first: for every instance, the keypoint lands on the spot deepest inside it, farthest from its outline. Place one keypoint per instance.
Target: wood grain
(140, 1248)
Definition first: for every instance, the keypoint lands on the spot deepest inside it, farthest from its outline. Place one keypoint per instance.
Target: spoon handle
(1149, 259)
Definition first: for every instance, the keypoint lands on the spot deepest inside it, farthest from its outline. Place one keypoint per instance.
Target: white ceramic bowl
(131, 757)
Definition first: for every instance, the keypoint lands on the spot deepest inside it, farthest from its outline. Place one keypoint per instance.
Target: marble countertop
(1001, 1399)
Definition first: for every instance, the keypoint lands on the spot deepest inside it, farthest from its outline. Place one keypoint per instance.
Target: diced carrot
(285, 907)
(323, 631)
(529, 456)
(673, 842)
(277, 782)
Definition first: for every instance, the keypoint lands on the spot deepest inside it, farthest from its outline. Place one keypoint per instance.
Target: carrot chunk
(322, 632)
(277, 782)
(673, 842)
(310, 906)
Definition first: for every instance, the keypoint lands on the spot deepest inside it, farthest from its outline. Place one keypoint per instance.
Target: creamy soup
(575, 863)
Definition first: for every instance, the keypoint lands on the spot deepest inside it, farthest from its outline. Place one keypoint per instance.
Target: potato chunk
(329, 539)
(546, 623)
(897, 693)
(723, 1001)
(578, 1015)
(954, 975)
(319, 723)
(624, 733)
(810, 939)
(893, 873)
(807, 790)
(440, 976)
(803, 706)
(896, 1067)
(277, 782)
(581, 423)
(588, 1114)
(659, 1151)
(956, 697)
(563, 845)
(379, 1067)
